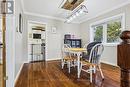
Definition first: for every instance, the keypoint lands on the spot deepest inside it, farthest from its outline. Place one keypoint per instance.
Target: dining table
(78, 52)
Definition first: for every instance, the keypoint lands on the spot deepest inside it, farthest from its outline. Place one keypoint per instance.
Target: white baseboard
(109, 63)
(50, 59)
(26, 62)
(17, 76)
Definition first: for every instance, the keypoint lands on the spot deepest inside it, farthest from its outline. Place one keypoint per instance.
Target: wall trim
(48, 17)
(18, 74)
(51, 59)
(43, 16)
(113, 64)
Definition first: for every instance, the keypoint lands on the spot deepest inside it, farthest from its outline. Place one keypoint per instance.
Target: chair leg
(74, 63)
(101, 71)
(94, 69)
(80, 69)
(68, 64)
(91, 74)
(62, 64)
(71, 63)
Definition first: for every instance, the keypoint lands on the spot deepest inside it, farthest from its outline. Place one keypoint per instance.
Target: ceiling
(52, 8)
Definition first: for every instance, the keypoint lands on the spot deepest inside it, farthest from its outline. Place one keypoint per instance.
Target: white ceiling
(51, 8)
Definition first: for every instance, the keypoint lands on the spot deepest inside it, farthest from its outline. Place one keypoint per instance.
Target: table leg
(78, 64)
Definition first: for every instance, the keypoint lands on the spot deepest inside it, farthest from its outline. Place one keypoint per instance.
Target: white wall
(54, 41)
(18, 39)
(110, 52)
(10, 50)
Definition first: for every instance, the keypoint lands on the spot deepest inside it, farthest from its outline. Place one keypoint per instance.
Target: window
(113, 31)
(98, 33)
(107, 30)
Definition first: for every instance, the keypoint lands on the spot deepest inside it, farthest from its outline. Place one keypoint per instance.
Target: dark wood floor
(50, 74)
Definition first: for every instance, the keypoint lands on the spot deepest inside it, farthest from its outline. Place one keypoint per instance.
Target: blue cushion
(89, 47)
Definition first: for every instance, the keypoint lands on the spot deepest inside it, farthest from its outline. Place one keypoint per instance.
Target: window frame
(104, 23)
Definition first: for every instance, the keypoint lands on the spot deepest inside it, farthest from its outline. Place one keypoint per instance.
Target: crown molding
(106, 11)
(44, 16)
(48, 17)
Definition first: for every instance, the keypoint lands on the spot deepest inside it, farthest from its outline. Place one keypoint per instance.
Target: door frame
(46, 45)
(4, 47)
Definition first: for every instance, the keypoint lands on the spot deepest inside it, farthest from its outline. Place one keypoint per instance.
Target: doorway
(36, 41)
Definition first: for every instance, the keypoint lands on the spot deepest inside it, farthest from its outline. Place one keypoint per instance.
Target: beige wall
(110, 52)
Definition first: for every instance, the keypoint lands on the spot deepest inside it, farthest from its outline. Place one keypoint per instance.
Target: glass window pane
(113, 31)
(98, 33)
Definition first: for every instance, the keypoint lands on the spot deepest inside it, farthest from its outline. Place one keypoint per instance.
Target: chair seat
(67, 58)
(74, 57)
(85, 62)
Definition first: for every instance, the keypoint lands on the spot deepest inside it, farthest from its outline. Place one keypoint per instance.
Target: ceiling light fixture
(76, 12)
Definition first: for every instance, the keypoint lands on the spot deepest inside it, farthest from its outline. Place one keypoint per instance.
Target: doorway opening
(36, 41)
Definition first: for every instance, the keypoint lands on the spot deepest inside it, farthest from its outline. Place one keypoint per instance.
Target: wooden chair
(94, 61)
(67, 57)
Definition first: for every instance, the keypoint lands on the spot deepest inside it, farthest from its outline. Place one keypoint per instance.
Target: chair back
(65, 50)
(96, 53)
(90, 46)
(67, 46)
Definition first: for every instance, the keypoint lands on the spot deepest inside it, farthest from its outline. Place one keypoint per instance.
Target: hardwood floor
(0, 75)
(50, 74)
